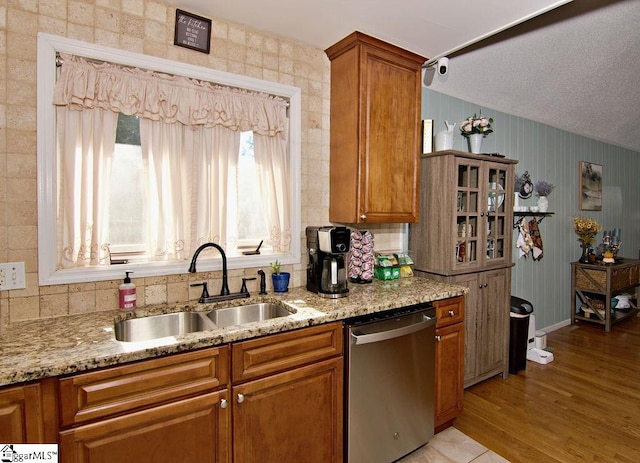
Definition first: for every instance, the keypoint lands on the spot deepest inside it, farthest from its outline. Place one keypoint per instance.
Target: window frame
(48, 273)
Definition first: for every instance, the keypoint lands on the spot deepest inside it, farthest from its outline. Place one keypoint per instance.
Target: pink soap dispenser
(127, 293)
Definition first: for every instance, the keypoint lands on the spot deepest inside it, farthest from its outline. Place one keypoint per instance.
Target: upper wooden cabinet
(375, 131)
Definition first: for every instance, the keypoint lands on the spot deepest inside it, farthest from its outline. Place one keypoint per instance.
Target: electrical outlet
(12, 276)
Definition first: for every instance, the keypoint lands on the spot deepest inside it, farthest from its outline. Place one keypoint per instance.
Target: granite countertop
(43, 348)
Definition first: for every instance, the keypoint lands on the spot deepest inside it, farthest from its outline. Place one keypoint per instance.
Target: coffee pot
(328, 247)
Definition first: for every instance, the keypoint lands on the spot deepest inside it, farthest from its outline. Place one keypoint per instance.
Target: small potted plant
(280, 279)
(543, 189)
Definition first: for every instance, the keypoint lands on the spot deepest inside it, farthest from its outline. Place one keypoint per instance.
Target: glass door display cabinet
(468, 213)
(464, 237)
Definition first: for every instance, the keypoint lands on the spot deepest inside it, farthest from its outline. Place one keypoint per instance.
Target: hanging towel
(524, 243)
(536, 238)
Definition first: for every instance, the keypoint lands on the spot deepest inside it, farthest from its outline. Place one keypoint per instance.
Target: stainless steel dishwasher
(390, 366)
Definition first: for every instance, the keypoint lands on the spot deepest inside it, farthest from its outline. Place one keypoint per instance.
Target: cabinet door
(492, 323)
(471, 314)
(449, 388)
(290, 417)
(496, 232)
(190, 430)
(390, 150)
(21, 420)
(470, 214)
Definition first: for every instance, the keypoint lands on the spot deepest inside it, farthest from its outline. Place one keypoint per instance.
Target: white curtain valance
(163, 97)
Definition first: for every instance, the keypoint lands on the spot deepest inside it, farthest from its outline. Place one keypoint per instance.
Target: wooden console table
(593, 286)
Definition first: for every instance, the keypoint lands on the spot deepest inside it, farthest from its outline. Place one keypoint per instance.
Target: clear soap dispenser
(127, 293)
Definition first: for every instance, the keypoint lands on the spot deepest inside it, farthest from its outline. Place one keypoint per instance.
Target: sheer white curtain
(215, 186)
(167, 155)
(273, 178)
(86, 140)
(190, 135)
(190, 187)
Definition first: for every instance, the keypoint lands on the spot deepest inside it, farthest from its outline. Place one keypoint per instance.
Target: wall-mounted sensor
(443, 66)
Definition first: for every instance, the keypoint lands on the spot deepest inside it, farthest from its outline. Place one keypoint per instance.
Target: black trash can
(518, 333)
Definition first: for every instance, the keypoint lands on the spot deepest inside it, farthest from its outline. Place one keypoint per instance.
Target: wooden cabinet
(270, 399)
(465, 237)
(593, 286)
(168, 409)
(21, 414)
(449, 387)
(288, 397)
(466, 211)
(375, 131)
(486, 324)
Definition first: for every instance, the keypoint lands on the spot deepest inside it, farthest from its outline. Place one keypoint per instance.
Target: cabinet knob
(438, 338)
(452, 313)
(224, 403)
(240, 398)
(363, 217)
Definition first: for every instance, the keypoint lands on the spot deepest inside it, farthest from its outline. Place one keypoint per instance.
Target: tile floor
(452, 446)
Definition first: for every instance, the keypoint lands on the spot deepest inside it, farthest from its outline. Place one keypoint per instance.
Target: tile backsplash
(147, 27)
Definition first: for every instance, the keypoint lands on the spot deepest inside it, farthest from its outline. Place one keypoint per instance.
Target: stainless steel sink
(240, 315)
(175, 324)
(160, 326)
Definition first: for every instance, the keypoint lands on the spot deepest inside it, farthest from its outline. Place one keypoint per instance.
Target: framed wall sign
(590, 186)
(192, 31)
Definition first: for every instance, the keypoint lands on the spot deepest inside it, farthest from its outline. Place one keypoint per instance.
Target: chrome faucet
(192, 268)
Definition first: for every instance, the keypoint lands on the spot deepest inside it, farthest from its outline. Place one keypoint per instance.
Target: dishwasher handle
(395, 333)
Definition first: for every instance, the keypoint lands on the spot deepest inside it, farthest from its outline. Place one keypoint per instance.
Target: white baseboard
(556, 326)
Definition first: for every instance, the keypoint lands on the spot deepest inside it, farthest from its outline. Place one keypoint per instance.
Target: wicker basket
(596, 279)
(591, 280)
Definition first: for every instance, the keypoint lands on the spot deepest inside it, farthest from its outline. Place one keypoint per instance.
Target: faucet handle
(205, 291)
(244, 289)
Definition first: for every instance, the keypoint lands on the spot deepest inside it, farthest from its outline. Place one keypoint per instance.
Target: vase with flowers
(586, 229)
(475, 128)
(542, 190)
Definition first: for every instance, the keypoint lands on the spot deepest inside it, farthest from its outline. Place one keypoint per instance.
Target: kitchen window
(192, 174)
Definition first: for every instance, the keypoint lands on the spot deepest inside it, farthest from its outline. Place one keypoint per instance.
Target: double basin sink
(175, 324)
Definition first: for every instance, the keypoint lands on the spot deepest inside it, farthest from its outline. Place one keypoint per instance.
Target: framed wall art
(192, 31)
(590, 186)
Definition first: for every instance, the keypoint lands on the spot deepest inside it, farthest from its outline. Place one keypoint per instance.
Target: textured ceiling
(574, 66)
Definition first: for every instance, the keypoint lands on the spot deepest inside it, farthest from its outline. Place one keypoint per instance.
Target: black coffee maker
(327, 270)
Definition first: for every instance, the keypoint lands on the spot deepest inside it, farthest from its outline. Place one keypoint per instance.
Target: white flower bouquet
(476, 124)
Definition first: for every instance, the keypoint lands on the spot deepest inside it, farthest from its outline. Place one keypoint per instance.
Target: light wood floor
(583, 406)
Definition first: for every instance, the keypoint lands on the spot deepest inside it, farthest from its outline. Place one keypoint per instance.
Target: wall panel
(553, 155)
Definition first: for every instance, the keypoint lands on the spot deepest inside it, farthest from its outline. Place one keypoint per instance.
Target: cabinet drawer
(449, 311)
(89, 396)
(275, 353)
